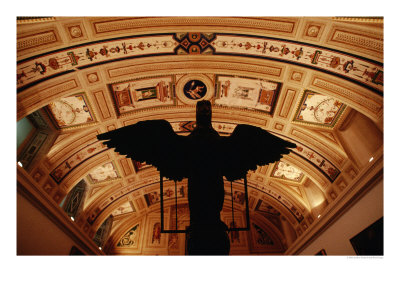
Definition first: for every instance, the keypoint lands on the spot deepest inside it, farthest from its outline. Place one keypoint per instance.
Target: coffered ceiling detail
(314, 81)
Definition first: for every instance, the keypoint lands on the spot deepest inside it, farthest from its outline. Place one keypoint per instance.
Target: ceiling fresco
(318, 109)
(245, 92)
(71, 111)
(62, 170)
(130, 238)
(316, 82)
(359, 70)
(104, 173)
(139, 94)
(286, 171)
(126, 208)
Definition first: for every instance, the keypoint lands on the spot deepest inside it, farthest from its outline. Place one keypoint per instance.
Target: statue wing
(248, 147)
(153, 142)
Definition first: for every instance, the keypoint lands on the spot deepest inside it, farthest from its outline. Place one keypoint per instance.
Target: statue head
(203, 113)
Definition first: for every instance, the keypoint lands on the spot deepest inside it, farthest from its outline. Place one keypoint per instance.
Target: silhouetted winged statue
(203, 157)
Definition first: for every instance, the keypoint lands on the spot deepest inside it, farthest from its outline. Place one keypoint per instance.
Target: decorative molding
(273, 25)
(367, 42)
(165, 67)
(296, 75)
(93, 77)
(377, 20)
(355, 98)
(75, 175)
(126, 166)
(313, 31)
(32, 70)
(102, 104)
(75, 31)
(253, 94)
(354, 68)
(38, 39)
(309, 138)
(30, 102)
(143, 94)
(288, 98)
(63, 148)
(32, 20)
(76, 159)
(279, 126)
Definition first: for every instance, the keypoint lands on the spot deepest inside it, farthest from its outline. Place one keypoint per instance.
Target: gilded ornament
(75, 31)
(296, 76)
(92, 77)
(313, 31)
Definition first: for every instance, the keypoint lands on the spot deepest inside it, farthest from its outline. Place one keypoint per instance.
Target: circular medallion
(296, 76)
(195, 89)
(75, 31)
(313, 31)
(92, 77)
(191, 88)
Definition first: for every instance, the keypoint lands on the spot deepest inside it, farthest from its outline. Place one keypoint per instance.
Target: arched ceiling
(315, 81)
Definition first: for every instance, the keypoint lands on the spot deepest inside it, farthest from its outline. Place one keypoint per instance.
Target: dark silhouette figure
(203, 157)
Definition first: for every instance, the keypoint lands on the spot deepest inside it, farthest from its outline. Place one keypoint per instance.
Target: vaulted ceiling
(317, 82)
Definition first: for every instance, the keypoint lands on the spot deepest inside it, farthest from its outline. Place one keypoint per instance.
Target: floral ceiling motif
(362, 71)
(367, 72)
(54, 63)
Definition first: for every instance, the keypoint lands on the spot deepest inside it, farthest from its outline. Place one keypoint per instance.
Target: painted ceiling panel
(104, 173)
(246, 75)
(246, 92)
(286, 171)
(318, 109)
(139, 94)
(126, 208)
(71, 111)
(130, 238)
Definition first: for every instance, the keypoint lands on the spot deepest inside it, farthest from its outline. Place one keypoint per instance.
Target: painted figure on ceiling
(156, 233)
(204, 157)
